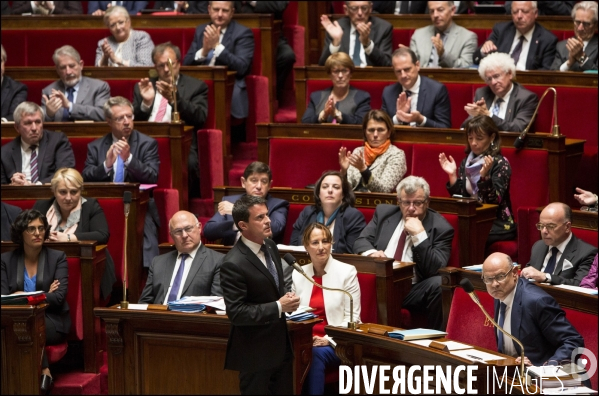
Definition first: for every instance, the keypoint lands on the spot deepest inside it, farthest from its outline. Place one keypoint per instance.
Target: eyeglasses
(497, 76)
(499, 278)
(407, 204)
(32, 229)
(179, 231)
(338, 71)
(354, 9)
(122, 118)
(585, 25)
(550, 226)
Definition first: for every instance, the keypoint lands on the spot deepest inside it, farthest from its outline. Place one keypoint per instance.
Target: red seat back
(291, 14)
(257, 61)
(425, 163)
(459, 96)
(292, 216)
(113, 208)
(23, 204)
(259, 108)
(368, 213)
(74, 298)
(79, 145)
(467, 323)
(402, 36)
(164, 151)
(586, 325)
(167, 200)
(368, 301)
(529, 184)
(454, 258)
(589, 236)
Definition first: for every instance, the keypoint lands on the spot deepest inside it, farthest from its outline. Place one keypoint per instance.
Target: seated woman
(334, 207)
(342, 104)
(379, 165)
(74, 218)
(33, 267)
(484, 174)
(330, 306)
(126, 47)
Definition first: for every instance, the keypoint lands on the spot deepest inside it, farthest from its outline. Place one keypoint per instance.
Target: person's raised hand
(333, 29)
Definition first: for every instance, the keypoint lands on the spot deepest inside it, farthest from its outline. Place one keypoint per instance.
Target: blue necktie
(551, 263)
(177, 282)
(270, 265)
(65, 111)
(502, 308)
(357, 48)
(495, 110)
(209, 57)
(119, 176)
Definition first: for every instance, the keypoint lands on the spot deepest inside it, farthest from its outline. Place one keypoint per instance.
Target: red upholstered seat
(482, 34)
(368, 304)
(167, 199)
(85, 42)
(368, 213)
(79, 146)
(527, 233)
(292, 215)
(295, 36)
(589, 236)
(56, 352)
(467, 323)
(454, 258)
(23, 204)
(259, 110)
(402, 36)
(586, 324)
(459, 95)
(291, 14)
(425, 163)
(210, 142)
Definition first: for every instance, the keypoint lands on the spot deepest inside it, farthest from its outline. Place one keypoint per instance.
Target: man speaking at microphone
(528, 313)
(252, 281)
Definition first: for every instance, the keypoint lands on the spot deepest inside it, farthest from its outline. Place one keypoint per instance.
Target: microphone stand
(175, 116)
(127, 202)
(555, 130)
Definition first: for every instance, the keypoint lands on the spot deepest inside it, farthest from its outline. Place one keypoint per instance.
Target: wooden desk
(23, 340)
(584, 219)
(165, 352)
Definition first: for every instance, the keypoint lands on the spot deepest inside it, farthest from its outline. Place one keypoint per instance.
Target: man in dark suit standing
(415, 233)
(579, 53)
(366, 39)
(190, 270)
(126, 155)
(13, 93)
(529, 314)
(253, 287)
(153, 100)
(559, 258)
(530, 45)
(224, 42)
(415, 100)
(100, 7)
(73, 97)
(34, 155)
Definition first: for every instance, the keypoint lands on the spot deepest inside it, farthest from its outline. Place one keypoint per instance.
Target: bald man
(190, 270)
(528, 313)
(559, 258)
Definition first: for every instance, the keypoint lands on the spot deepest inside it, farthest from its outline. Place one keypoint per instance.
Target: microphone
(519, 142)
(293, 263)
(469, 288)
(127, 202)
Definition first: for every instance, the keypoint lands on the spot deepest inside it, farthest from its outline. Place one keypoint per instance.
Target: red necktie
(400, 246)
(161, 110)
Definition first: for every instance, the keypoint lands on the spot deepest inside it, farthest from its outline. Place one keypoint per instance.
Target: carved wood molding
(114, 337)
(22, 332)
(345, 352)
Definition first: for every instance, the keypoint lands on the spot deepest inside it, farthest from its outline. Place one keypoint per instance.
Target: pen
(474, 357)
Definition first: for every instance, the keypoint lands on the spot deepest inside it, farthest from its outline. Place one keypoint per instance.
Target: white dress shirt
(502, 105)
(126, 163)
(413, 104)
(561, 247)
(75, 92)
(508, 344)
(187, 264)
(26, 160)
(157, 99)
(352, 43)
(521, 65)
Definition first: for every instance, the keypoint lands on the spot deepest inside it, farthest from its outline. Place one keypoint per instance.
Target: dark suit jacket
(91, 97)
(388, 7)
(431, 255)
(195, 7)
(237, 56)
(203, 278)
(433, 102)
(519, 110)
(562, 54)
(55, 268)
(262, 7)
(133, 7)
(548, 7)
(220, 226)
(54, 152)
(13, 94)
(348, 226)
(60, 7)
(577, 252)
(258, 337)
(352, 112)
(540, 53)
(539, 323)
(8, 216)
(381, 34)
(5, 7)
(144, 165)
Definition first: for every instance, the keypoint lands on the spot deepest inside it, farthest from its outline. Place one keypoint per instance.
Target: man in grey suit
(191, 270)
(444, 43)
(73, 97)
(579, 53)
(509, 104)
(559, 258)
(366, 39)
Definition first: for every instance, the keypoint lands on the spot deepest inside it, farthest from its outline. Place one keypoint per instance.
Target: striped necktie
(33, 164)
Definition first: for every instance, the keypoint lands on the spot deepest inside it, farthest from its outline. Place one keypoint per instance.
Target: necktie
(209, 57)
(551, 263)
(434, 60)
(502, 308)
(357, 48)
(65, 111)
(401, 244)
(270, 265)
(177, 282)
(404, 7)
(495, 109)
(517, 50)
(119, 175)
(161, 110)
(33, 164)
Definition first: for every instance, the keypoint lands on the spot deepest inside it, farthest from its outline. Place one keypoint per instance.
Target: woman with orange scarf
(379, 165)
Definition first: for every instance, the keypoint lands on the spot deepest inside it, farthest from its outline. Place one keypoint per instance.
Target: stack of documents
(28, 298)
(416, 334)
(304, 312)
(196, 303)
(553, 377)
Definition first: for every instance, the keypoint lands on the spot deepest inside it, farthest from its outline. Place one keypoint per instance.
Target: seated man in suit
(126, 155)
(560, 258)
(100, 7)
(528, 313)
(579, 53)
(13, 93)
(36, 154)
(415, 100)
(444, 43)
(530, 45)
(257, 181)
(153, 101)
(191, 270)
(366, 39)
(73, 97)
(511, 105)
(225, 42)
(412, 232)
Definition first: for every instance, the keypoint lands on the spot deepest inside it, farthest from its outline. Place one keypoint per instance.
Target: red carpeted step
(76, 383)
(104, 374)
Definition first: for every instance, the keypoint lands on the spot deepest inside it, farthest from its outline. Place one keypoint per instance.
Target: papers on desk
(476, 355)
(291, 248)
(302, 313)
(449, 345)
(137, 307)
(196, 303)
(578, 289)
(27, 298)
(416, 334)
(569, 390)
(143, 187)
(553, 377)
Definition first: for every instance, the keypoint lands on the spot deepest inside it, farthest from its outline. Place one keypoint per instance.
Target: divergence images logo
(586, 359)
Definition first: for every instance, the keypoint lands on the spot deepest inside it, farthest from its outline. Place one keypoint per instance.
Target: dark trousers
(426, 296)
(276, 381)
(152, 222)
(53, 337)
(285, 61)
(323, 358)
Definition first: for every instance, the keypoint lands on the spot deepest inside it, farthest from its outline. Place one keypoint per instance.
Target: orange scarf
(370, 153)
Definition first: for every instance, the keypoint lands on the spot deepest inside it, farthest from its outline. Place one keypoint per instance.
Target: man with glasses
(366, 39)
(559, 258)
(529, 314)
(412, 232)
(508, 103)
(190, 270)
(579, 53)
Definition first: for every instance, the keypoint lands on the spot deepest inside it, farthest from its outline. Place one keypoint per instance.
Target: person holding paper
(190, 270)
(484, 174)
(333, 307)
